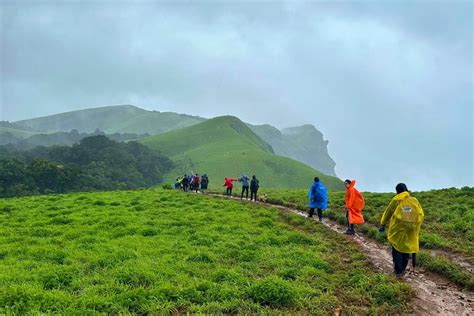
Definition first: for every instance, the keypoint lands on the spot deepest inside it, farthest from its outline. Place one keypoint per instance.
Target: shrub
(167, 186)
(274, 292)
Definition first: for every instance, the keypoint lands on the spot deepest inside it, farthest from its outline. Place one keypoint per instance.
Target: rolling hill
(304, 143)
(225, 146)
(112, 119)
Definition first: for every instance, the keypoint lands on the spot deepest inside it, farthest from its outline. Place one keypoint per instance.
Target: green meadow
(161, 251)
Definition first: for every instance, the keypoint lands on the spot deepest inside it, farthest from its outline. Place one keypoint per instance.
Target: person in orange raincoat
(228, 184)
(354, 205)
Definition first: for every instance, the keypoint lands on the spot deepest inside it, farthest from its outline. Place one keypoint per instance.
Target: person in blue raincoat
(318, 198)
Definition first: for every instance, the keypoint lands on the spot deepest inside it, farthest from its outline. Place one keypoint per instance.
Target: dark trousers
(185, 187)
(229, 191)
(253, 195)
(246, 190)
(320, 212)
(349, 226)
(400, 261)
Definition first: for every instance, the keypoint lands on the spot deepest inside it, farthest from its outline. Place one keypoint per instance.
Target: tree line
(95, 163)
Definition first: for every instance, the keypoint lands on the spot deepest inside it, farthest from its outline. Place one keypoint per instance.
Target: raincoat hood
(401, 196)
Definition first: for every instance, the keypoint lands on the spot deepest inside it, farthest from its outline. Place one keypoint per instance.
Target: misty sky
(389, 84)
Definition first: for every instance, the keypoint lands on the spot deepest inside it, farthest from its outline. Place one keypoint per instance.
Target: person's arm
(350, 200)
(387, 214)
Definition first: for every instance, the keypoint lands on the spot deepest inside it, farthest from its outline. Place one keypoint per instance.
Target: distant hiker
(354, 205)
(254, 185)
(196, 182)
(185, 183)
(404, 216)
(177, 185)
(245, 186)
(228, 184)
(318, 198)
(190, 181)
(204, 182)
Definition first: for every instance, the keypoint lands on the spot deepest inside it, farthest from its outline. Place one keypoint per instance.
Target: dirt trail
(434, 294)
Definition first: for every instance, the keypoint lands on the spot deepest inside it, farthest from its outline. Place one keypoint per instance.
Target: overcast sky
(388, 83)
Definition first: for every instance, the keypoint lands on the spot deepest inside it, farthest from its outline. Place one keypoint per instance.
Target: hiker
(354, 205)
(404, 216)
(190, 181)
(245, 186)
(185, 183)
(318, 198)
(177, 184)
(196, 182)
(228, 184)
(254, 185)
(204, 182)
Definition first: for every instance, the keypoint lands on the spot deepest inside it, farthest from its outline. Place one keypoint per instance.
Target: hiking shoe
(350, 232)
(400, 275)
(320, 219)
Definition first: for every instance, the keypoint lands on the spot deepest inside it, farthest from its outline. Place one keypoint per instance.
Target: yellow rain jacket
(405, 215)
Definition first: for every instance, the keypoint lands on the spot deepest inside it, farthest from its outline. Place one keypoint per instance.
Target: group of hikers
(247, 184)
(404, 216)
(193, 182)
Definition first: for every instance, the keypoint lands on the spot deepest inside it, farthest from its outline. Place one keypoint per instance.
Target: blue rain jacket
(318, 196)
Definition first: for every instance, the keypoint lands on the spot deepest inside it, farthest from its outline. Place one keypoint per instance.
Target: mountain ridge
(303, 143)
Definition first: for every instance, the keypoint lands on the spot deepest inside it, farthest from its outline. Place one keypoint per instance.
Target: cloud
(389, 84)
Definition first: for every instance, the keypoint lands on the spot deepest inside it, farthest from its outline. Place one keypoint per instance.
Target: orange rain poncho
(404, 216)
(355, 204)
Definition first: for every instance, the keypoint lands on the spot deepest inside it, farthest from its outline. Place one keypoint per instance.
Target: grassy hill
(156, 252)
(304, 143)
(112, 119)
(225, 146)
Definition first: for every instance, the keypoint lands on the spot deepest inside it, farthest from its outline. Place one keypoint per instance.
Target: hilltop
(225, 146)
(111, 119)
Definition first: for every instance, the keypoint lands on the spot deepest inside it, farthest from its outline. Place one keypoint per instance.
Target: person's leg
(396, 257)
(311, 212)
(230, 191)
(347, 217)
(242, 193)
(400, 262)
(320, 214)
(405, 258)
(413, 261)
(247, 192)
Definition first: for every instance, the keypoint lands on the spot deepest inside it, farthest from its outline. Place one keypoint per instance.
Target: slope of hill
(225, 146)
(304, 143)
(112, 119)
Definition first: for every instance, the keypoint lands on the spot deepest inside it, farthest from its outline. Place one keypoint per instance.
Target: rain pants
(318, 196)
(355, 204)
(405, 216)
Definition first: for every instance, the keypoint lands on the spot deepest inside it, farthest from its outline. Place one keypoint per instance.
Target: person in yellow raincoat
(404, 216)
